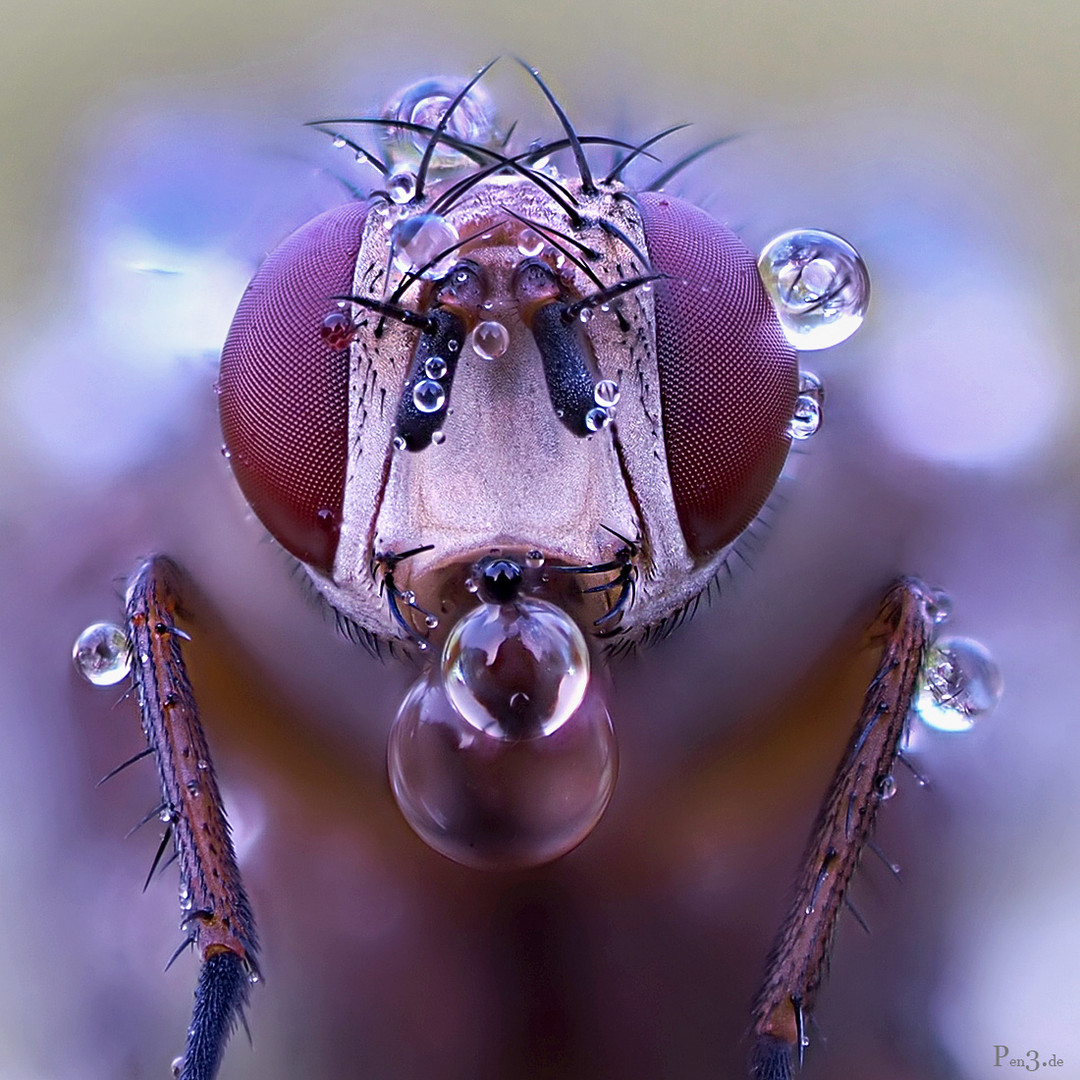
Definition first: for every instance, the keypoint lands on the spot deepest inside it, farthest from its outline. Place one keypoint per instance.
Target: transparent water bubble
(598, 418)
(498, 803)
(585, 315)
(887, 788)
(339, 142)
(530, 243)
(438, 437)
(490, 339)
(516, 670)
(424, 103)
(819, 286)
(960, 683)
(435, 367)
(401, 184)
(429, 396)
(418, 240)
(938, 605)
(606, 393)
(102, 654)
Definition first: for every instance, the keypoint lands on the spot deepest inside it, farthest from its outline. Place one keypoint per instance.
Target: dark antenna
(444, 120)
(587, 185)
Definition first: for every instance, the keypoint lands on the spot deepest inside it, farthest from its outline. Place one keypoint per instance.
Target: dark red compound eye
(728, 377)
(284, 387)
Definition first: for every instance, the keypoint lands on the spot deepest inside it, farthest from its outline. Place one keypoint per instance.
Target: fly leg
(217, 916)
(799, 956)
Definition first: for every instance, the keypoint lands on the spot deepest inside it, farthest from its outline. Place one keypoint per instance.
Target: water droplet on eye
(490, 339)
(435, 367)
(438, 437)
(401, 185)
(887, 788)
(606, 392)
(418, 240)
(960, 683)
(339, 142)
(819, 286)
(598, 418)
(337, 330)
(226, 453)
(530, 243)
(534, 559)
(428, 396)
(102, 654)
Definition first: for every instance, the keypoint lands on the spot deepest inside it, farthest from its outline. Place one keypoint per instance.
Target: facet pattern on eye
(284, 387)
(728, 377)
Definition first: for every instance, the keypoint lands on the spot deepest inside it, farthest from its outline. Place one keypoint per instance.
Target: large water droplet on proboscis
(102, 654)
(499, 803)
(819, 286)
(960, 683)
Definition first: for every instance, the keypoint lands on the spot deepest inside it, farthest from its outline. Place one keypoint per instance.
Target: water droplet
(960, 683)
(435, 367)
(399, 443)
(606, 392)
(339, 142)
(337, 330)
(177, 1065)
(202, 765)
(424, 103)
(585, 314)
(226, 453)
(887, 788)
(472, 585)
(102, 654)
(597, 418)
(530, 243)
(166, 815)
(453, 345)
(534, 559)
(409, 597)
(428, 396)
(401, 185)
(254, 977)
(490, 339)
(418, 240)
(938, 606)
(819, 286)
(431, 621)
(807, 417)
(438, 437)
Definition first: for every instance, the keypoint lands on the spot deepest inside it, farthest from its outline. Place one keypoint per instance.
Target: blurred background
(152, 154)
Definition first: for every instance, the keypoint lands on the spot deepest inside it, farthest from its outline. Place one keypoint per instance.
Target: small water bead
(938, 606)
(418, 240)
(887, 788)
(806, 419)
(399, 442)
(819, 286)
(429, 396)
(534, 559)
(102, 654)
(177, 1065)
(530, 243)
(339, 142)
(517, 670)
(490, 339)
(585, 314)
(401, 185)
(596, 419)
(606, 393)
(337, 330)
(960, 683)
(438, 437)
(435, 367)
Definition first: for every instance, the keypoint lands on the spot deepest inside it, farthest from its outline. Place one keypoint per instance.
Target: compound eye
(728, 377)
(284, 385)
